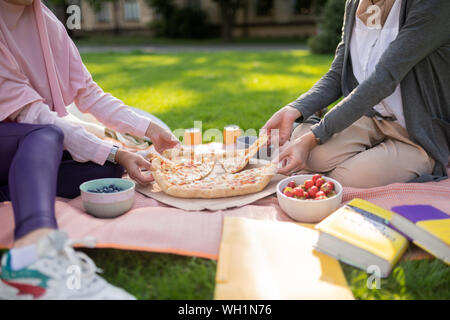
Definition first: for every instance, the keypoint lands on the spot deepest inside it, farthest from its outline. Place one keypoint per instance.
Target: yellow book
(275, 260)
(358, 234)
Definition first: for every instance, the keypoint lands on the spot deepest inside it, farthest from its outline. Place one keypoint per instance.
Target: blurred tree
(228, 9)
(164, 8)
(309, 6)
(330, 27)
(188, 21)
(317, 6)
(264, 7)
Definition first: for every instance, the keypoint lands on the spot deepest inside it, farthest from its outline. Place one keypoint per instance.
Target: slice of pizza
(181, 170)
(236, 161)
(221, 186)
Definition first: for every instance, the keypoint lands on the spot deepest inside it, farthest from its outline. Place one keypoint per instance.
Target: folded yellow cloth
(275, 260)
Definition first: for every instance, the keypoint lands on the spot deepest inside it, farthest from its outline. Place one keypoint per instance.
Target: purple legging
(34, 170)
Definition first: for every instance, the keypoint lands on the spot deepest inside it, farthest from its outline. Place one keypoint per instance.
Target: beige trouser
(369, 153)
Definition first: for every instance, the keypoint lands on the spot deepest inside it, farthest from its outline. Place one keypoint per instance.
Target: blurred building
(257, 18)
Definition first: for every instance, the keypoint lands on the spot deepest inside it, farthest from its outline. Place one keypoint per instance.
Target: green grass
(216, 88)
(157, 276)
(219, 89)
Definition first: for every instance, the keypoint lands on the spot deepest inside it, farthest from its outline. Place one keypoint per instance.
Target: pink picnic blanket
(152, 226)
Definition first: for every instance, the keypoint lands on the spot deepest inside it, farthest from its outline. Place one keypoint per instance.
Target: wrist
(120, 155)
(151, 129)
(293, 113)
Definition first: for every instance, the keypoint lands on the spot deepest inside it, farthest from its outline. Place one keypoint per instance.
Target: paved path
(192, 48)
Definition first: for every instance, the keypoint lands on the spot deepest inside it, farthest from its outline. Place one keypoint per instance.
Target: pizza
(233, 162)
(218, 186)
(182, 171)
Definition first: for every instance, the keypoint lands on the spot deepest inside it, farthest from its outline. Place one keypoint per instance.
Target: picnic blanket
(152, 226)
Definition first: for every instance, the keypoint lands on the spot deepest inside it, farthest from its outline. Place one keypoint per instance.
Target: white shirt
(367, 45)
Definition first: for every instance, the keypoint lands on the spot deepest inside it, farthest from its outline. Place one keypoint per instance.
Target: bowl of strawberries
(309, 197)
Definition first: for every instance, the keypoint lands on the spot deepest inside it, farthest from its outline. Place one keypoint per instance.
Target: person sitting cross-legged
(393, 124)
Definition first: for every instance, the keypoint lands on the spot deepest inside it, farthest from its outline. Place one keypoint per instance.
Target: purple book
(416, 213)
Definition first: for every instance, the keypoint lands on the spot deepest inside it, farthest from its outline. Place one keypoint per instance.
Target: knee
(52, 133)
(46, 136)
(44, 143)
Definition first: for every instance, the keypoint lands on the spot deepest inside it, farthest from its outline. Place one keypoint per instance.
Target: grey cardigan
(418, 59)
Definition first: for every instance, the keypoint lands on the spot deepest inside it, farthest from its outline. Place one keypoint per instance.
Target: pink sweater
(41, 72)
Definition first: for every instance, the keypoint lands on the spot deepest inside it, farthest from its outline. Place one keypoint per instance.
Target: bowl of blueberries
(107, 198)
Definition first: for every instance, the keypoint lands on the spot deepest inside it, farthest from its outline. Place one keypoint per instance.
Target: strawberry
(308, 184)
(325, 188)
(312, 191)
(331, 184)
(321, 198)
(288, 192)
(299, 193)
(292, 184)
(320, 182)
(320, 194)
(315, 177)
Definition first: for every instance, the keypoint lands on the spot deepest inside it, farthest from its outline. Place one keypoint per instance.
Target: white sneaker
(59, 273)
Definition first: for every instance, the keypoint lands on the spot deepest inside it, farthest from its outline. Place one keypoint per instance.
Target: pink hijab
(38, 60)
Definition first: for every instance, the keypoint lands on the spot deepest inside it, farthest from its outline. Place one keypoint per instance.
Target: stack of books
(365, 235)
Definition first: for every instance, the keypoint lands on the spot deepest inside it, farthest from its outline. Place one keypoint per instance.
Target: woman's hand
(283, 120)
(295, 156)
(161, 138)
(133, 163)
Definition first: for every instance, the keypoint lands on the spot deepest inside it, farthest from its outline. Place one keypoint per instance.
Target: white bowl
(308, 211)
(107, 205)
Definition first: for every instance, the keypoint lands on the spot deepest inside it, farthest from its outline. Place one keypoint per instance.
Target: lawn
(223, 88)
(216, 88)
